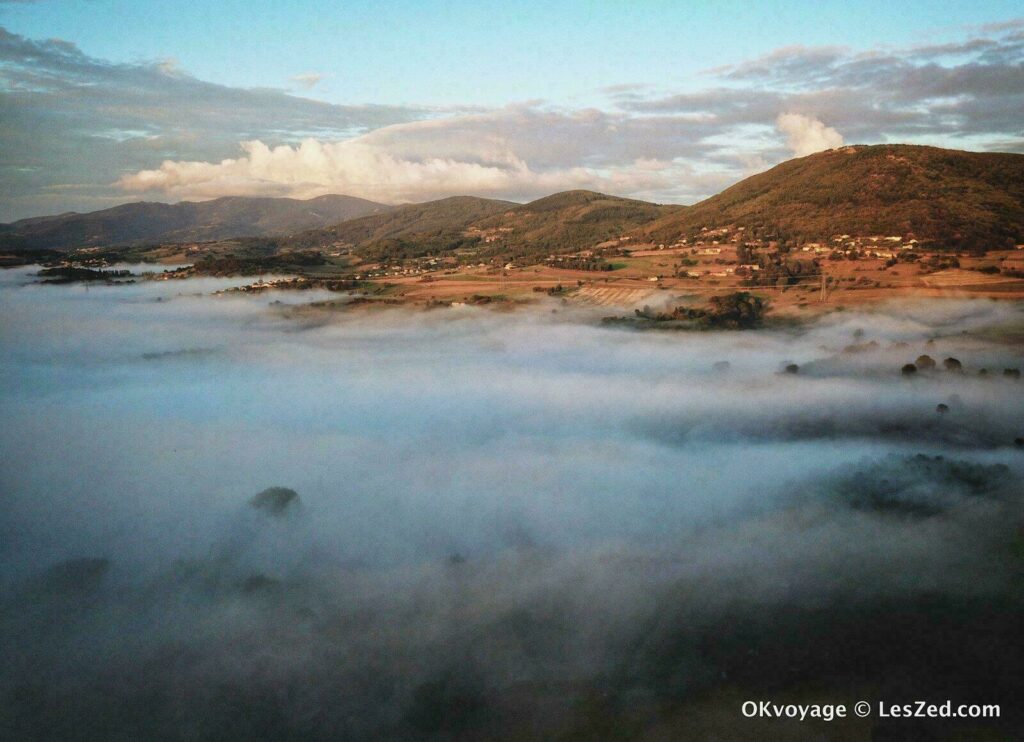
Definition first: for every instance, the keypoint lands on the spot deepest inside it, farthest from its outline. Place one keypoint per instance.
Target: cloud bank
(401, 163)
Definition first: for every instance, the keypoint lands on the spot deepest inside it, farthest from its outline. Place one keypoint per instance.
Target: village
(846, 269)
(622, 271)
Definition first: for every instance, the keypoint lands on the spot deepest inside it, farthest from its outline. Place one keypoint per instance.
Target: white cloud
(806, 135)
(398, 163)
(308, 79)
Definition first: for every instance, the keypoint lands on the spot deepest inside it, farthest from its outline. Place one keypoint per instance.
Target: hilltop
(565, 222)
(188, 221)
(952, 198)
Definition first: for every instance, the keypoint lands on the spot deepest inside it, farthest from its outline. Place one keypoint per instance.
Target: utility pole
(823, 289)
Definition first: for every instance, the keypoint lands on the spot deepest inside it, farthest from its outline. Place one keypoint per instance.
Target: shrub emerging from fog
(72, 577)
(275, 500)
(740, 310)
(925, 363)
(919, 485)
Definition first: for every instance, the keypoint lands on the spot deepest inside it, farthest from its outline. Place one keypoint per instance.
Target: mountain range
(187, 221)
(951, 198)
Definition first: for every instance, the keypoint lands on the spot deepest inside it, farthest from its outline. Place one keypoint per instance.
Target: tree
(740, 310)
(925, 362)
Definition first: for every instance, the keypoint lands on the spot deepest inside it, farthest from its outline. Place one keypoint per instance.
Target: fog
(518, 525)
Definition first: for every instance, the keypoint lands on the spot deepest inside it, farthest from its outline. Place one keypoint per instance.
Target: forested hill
(563, 222)
(955, 198)
(404, 231)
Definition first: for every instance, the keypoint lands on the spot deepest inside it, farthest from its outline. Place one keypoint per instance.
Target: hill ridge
(141, 222)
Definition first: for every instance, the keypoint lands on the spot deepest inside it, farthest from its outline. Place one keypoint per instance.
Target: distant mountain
(563, 222)
(955, 198)
(145, 222)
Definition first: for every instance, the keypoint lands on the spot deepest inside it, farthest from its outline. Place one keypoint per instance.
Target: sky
(104, 102)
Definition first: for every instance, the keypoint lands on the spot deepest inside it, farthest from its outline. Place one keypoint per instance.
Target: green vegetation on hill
(405, 231)
(963, 200)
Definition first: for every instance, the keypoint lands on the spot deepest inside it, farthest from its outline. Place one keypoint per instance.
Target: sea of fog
(516, 525)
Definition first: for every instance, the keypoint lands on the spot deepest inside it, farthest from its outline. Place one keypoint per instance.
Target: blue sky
(486, 53)
(665, 100)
